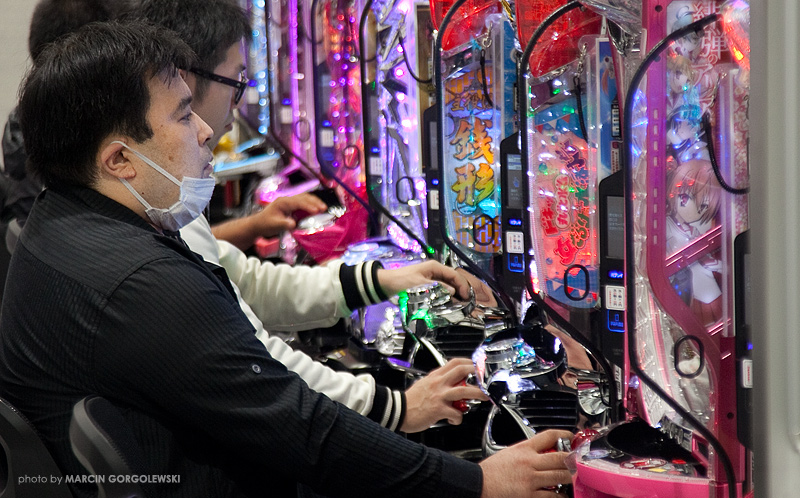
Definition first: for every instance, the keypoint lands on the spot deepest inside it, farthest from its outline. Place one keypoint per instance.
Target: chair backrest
(27, 470)
(103, 442)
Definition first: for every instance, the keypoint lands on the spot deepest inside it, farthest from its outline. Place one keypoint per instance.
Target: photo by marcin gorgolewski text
(99, 479)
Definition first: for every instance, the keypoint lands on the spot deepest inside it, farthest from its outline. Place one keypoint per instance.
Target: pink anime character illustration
(692, 207)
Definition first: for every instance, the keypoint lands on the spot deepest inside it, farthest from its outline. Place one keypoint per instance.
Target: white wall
(774, 211)
(15, 19)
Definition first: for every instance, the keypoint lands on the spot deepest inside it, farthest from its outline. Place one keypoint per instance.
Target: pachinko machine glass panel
(337, 104)
(338, 90)
(393, 156)
(257, 65)
(571, 89)
(472, 130)
(291, 93)
(686, 217)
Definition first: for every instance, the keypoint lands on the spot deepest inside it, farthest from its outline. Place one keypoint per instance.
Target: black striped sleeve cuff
(360, 284)
(388, 408)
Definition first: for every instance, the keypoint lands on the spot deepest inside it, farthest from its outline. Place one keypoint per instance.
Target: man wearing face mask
(121, 308)
(280, 298)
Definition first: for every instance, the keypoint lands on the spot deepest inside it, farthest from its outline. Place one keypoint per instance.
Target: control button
(616, 321)
(516, 263)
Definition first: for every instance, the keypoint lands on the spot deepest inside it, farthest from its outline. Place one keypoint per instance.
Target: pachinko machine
(331, 43)
(687, 378)
(474, 70)
(290, 114)
(391, 121)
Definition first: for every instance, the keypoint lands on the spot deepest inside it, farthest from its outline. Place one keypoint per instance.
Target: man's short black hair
(88, 85)
(53, 19)
(209, 27)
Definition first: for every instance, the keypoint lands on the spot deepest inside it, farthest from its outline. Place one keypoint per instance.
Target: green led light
(423, 314)
(402, 303)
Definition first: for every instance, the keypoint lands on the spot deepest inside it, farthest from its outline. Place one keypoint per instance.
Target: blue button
(616, 321)
(516, 263)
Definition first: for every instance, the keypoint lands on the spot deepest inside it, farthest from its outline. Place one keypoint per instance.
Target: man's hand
(457, 282)
(431, 398)
(525, 469)
(276, 217)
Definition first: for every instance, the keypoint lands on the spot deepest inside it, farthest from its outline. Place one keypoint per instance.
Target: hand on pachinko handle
(529, 469)
(438, 396)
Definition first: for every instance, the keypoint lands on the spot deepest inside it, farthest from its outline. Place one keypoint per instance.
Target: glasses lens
(240, 88)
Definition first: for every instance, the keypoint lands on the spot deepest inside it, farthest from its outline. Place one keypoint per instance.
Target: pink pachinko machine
(687, 378)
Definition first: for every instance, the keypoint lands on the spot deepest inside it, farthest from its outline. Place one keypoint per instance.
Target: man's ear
(115, 161)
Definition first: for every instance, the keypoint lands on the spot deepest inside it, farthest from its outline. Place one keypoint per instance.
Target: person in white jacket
(298, 298)
(295, 298)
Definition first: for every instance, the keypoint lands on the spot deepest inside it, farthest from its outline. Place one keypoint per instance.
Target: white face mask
(195, 195)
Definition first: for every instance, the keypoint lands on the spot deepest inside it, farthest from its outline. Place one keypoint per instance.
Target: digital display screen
(615, 224)
(615, 274)
(514, 184)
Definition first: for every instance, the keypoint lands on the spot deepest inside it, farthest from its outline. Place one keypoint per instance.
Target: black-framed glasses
(240, 85)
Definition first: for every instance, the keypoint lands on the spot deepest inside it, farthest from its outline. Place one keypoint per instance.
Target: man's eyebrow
(182, 105)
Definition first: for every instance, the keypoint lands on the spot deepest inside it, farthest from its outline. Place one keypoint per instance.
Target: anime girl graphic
(686, 138)
(692, 207)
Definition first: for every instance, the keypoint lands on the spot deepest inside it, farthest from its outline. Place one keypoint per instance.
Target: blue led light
(515, 222)
(286, 102)
(616, 274)
(435, 181)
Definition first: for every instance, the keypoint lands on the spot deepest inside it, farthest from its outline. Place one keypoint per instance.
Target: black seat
(27, 470)
(104, 444)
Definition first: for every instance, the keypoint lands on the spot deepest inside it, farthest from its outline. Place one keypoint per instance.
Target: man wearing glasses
(240, 84)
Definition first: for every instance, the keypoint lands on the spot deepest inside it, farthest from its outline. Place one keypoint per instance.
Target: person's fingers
(544, 493)
(550, 478)
(307, 202)
(457, 374)
(551, 461)
(449, 276)
(483, 293)
(546, 440)
(458, 393)
(287, 224)
(455, 417)
(454, 371)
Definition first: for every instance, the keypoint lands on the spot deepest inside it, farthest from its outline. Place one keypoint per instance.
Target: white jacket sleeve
(286, 297)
